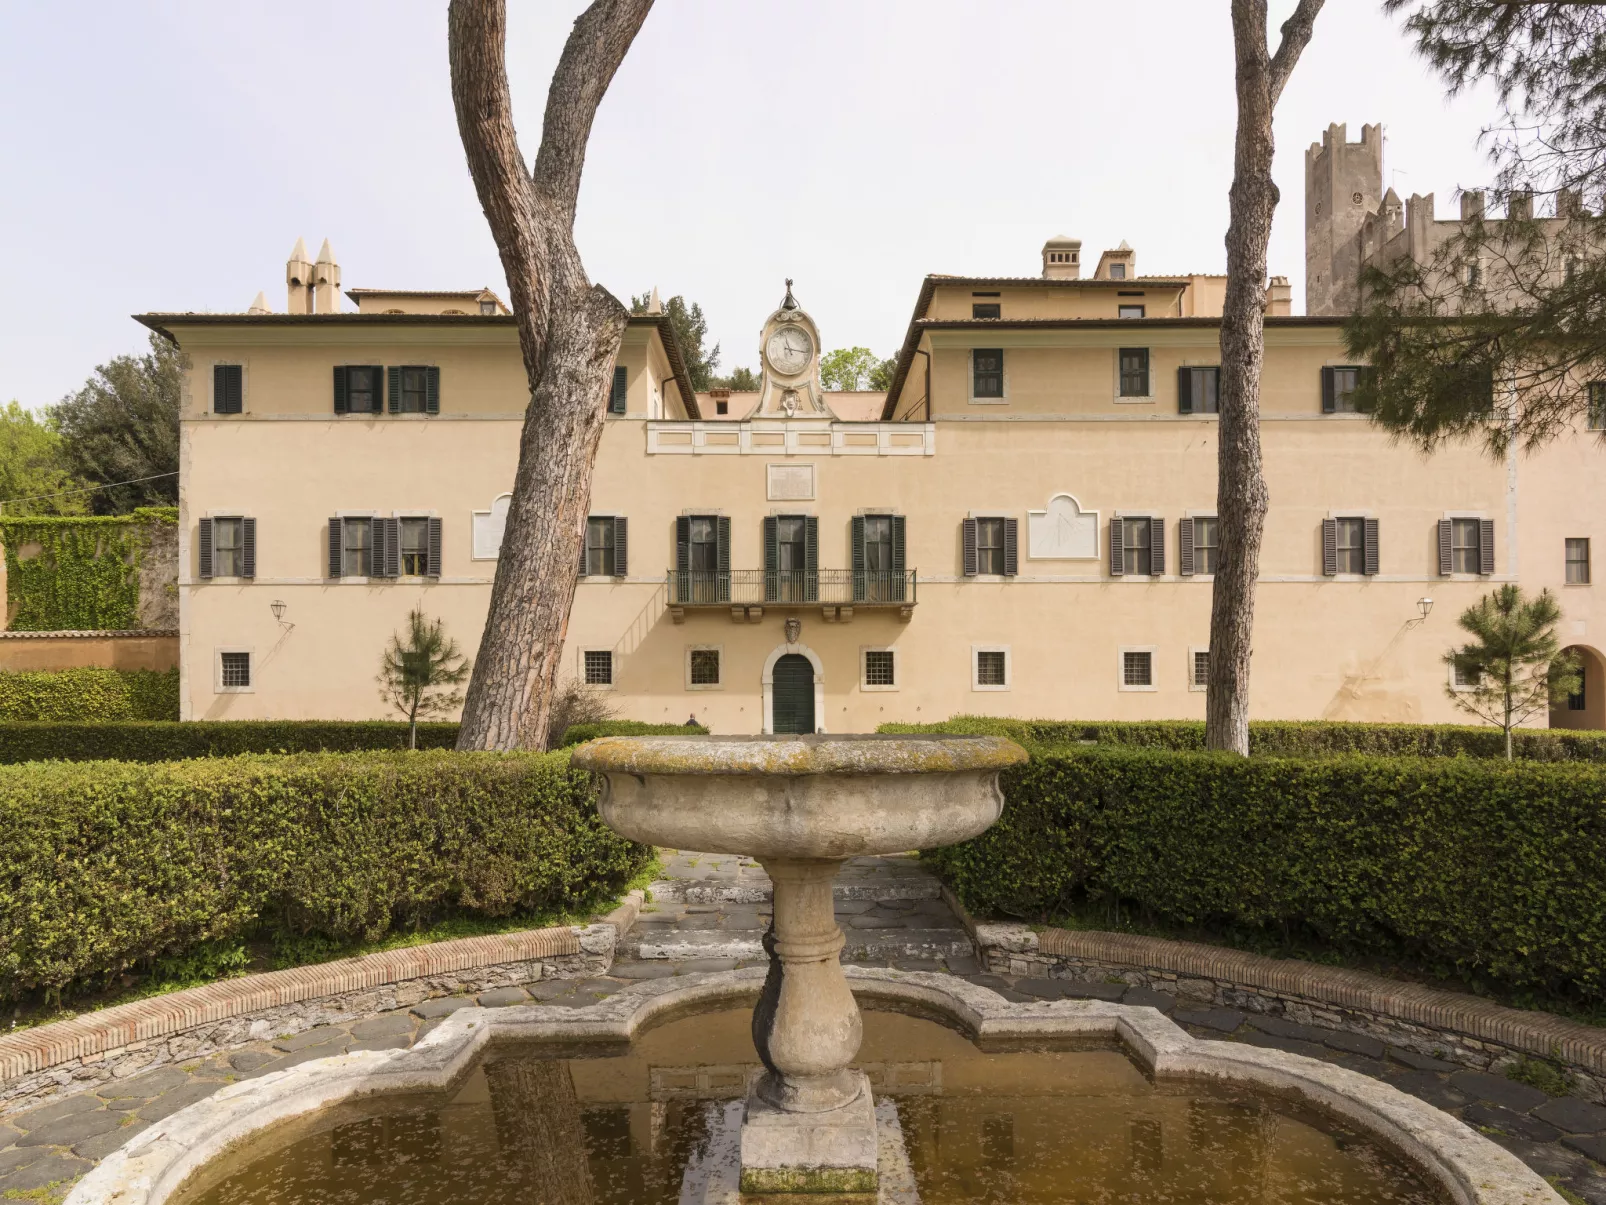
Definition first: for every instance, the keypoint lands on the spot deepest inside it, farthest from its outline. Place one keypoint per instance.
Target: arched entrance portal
(1587, 708)
(793, 707)
(794, 690)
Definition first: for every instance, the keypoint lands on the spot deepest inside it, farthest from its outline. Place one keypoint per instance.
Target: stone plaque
(791, 482)
(1063, 532)
(488, 528)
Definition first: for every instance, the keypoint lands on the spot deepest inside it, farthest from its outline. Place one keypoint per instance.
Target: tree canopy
(34, 479)
(122, 426)
(1499, 334)
(691, 332)
(853, 368)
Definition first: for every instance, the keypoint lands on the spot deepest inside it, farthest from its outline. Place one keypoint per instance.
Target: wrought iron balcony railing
(763, 587)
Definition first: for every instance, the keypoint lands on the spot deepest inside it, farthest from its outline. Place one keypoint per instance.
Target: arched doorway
(1587, 708)
(793, 699)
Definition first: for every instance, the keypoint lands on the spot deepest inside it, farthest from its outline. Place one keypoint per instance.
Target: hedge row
(1292, 738)
(578, 734)
(148, 742)
(106, 866)
(1484, 867)
(90, 693)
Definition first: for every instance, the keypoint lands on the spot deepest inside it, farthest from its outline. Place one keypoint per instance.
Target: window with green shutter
(620, 393)
(878, 558)
(228, 388)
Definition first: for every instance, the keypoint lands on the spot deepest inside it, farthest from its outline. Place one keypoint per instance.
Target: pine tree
(1513, 664)
(420, 671)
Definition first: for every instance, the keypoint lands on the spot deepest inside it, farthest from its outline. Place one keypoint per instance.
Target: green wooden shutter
(248, 547)
(858, 559)
(341, 405)
(204, 541)
(621, 546)
(432, 391)
(1329, 391)
(1370, 551)
(811, 558)
(683, 559)
(724, 528)
(772, 559)
(1329, 547)
(1184, 390)
(335, 558)
(967, 547)
(898, 558)
(1185, 548)
(392, 390)
(620, 393)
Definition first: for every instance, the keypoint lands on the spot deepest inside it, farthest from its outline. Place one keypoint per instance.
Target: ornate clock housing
(789, 350)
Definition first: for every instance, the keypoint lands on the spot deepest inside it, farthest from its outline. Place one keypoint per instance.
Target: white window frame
(373, 516)
(1115, 386)
(1589, 562)
(1120, 669)
(217, 669)
(613, 668)
(1454, 685)
(238, 513)
(1193, 652)
(975, 667)
(244, 366)
(1188, 516)
(970, 380)
(704, 648)
(897, 668)
(1455, 575)
(399, 515)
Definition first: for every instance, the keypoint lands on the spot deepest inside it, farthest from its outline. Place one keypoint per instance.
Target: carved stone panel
(1063, 532)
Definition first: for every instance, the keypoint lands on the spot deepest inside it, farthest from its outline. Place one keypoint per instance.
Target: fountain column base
(832, 1151)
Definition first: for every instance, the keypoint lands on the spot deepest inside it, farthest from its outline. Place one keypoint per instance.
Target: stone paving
(723, 904)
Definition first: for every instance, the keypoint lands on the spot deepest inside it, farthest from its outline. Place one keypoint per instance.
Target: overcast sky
(166, 155)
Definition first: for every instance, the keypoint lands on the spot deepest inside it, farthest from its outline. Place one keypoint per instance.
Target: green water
(1081, 1126)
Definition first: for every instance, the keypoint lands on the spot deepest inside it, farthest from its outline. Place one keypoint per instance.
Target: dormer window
(1117, 271)
(487, 307)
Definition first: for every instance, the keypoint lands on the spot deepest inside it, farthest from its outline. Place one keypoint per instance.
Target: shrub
(578, 734)
(1483, 866)
(90, 693)
(1302, 738)
(105, 866)
(172, 741)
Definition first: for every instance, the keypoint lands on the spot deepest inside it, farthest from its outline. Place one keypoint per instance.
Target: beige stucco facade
(1062, 453)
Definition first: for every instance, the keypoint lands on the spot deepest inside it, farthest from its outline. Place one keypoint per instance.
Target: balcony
(746, 592)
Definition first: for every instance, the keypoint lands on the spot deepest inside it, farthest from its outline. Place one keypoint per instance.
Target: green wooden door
(794, 694)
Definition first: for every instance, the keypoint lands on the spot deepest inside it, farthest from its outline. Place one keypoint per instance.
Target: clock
(789, 350)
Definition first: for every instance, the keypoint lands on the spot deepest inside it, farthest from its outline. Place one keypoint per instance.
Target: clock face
(789, 350)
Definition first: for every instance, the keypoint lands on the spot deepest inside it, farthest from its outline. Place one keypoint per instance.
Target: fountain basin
(800, 797)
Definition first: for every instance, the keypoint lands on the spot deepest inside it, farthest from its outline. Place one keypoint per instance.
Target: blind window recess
(880, 669)
(234, 670)
(596, 667)
(987, 372)
(703, 667)
(1137, 669)
(992, 669)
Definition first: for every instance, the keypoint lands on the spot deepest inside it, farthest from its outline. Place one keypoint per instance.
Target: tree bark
(1241, 496)
(538, 1128)
(569, 336)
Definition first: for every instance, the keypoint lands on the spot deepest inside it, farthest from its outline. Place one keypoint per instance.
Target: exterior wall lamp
(1425, 606)
(277, 606)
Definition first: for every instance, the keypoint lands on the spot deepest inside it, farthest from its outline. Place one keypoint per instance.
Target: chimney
(1279, 297)
(298, 278)
(1062, 258)
(326, 280)
(259, 305)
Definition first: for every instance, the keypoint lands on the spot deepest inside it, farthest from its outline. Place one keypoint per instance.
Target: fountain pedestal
(801, 806)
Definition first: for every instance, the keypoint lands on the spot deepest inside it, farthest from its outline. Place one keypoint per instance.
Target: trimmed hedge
(1296, 738)
(1484, 867)
(579, 734)
(173, 741)
(89, 693)
(106, 866)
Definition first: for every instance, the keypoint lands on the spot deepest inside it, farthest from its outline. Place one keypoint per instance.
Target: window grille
(705, 667)
(878, 668)
(991, 668)
(987, 372)
(1137, 669)
(599, 667)
(235, 669)
(1201, 667)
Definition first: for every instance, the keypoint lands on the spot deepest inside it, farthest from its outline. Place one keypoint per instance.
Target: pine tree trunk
(569, 335)
(1241, 495)
(538, 1128)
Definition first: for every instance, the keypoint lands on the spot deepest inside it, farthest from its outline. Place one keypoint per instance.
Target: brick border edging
(1280, 981)
(103, 1034)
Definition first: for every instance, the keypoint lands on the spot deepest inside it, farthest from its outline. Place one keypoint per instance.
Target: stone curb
(1536, 1033)
(149, 1168)
(108, 1030)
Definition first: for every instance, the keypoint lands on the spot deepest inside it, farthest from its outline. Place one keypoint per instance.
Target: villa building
(1023, 524)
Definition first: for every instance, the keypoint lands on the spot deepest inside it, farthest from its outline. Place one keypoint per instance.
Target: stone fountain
(801, 806)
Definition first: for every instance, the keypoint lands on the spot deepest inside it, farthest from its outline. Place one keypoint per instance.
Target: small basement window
(880, 667)
(992, 668)
(234, 671)
(1137, 669)
(705, 667)
(1201, 667)
(598, 667)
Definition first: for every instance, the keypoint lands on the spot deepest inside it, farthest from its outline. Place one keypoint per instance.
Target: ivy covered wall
(84, 572)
